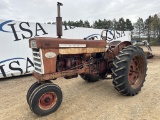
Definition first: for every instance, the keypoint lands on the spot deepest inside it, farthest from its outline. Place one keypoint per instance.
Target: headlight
(33, 44)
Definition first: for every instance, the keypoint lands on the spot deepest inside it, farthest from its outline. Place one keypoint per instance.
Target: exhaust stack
(59, 20)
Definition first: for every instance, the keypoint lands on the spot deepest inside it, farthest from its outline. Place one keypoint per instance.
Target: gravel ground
(86, 101)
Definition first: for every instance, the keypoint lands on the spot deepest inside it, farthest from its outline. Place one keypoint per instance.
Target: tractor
(92, 60)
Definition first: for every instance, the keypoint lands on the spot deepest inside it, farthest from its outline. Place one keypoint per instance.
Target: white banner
(15, 54)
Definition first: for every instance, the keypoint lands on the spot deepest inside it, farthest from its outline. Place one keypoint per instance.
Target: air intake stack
(59, 20)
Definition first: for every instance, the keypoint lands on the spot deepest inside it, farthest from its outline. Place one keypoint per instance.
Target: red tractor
(91, 59)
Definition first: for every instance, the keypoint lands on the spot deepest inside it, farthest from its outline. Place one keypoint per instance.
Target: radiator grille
(37, 59)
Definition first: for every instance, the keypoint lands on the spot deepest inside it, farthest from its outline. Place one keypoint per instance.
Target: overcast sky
(91, 10)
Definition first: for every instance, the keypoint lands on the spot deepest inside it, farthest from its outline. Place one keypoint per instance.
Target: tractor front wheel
(33, 87)
(45, 99)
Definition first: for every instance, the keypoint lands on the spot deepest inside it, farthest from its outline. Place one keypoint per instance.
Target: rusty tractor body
(91, 59)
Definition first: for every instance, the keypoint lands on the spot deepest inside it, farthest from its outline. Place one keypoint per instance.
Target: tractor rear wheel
(129, 70)
(90, 77)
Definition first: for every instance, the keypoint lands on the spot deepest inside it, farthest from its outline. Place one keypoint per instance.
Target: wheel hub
(135, 72)
(47, 100)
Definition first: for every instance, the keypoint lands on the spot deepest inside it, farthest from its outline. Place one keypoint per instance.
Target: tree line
(143, 28)
(149, 27)
(121, 24)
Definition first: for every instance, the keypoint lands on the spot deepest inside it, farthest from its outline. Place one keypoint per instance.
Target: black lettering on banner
(65, 27)
(15, 68)
(27, 66)
(2, 70)
(109, 33)
(24, 29)
(119, 35)
(71, 27)
(114, 34)
(122, 34)
(40, 28)
(14, 32)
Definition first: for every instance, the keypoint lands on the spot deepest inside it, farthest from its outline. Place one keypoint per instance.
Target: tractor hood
(54, 43)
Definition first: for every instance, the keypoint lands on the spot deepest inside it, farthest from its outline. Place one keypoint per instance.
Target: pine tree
(139, 26)
(87, 24)
(155, 23)
(128, 25)
(148, 27)
(115, 24)
(121, 24)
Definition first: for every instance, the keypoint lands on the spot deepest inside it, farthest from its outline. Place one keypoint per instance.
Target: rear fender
(118, 47)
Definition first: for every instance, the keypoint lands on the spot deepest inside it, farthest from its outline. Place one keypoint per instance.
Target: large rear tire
(129, 70)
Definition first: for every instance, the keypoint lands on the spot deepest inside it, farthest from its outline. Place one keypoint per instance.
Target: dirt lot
(86, 101)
